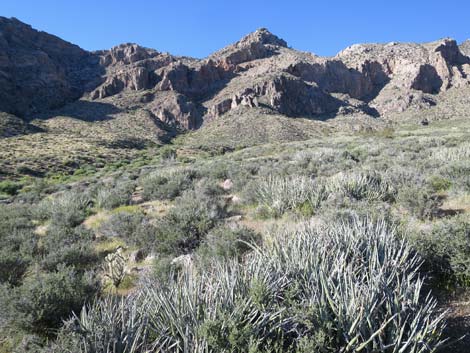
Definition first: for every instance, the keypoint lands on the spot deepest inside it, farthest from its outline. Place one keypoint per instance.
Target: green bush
(438, 183)
(109, 197)
(9, 187)
(185, 226)
(446, 250)
(68, 209)
(45, 299)
(13, 266)
(161, 186)
(224, 243)
(18, 243)
(167, 152)
(420, 202)
(122, 225)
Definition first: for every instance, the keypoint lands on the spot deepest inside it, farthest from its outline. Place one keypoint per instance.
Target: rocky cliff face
(39, 72)
(465, 47)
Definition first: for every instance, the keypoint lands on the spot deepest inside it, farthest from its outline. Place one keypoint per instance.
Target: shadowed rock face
(40, 72)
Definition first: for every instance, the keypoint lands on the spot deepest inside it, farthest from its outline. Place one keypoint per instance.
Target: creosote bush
(45, 299)
(167, 185)
(446, 252)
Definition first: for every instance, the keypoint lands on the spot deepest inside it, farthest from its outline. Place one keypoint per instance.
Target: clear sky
(197, 28)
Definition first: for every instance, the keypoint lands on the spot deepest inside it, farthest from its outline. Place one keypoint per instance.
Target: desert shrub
(420, 202)
(62, 245)
(346, 287)
(13, 266)
(9, 187)
(446, 251)
(115, 325)
(108, 197)
(223, 243)
(166, 185)
(452, 154)
(18, 244)
(167, 152)
(15, 217)
(45, 299)
(68, 209)
(186, 224)
(122, 225)
(400, 176)
(80, 255)
(438, 183)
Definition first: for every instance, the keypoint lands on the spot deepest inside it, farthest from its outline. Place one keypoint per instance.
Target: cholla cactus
(115, 267)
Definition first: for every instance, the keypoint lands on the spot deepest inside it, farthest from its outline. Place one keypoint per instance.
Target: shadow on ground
(89, 111)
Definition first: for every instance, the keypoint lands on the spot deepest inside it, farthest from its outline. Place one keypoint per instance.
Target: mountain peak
(263, 36)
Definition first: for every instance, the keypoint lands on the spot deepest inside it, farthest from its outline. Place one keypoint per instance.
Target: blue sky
(197, 28)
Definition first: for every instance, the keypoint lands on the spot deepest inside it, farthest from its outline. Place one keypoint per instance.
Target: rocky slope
(39, 72)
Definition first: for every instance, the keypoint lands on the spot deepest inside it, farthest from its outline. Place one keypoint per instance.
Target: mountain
(40, 72)
(62, 107)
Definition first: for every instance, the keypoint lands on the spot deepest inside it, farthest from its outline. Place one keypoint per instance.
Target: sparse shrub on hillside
(167, 152)
(184, 227)
(68, 209)
(18, 243)
(224, 243)
(13, 265)
(446, 251)
(122, 225)
(438, 183)
(109, 197)
(420, 202)
(345, 287)
(45, 299)
(167, 185)
(452, 154)
(9, 187)
(80, 255)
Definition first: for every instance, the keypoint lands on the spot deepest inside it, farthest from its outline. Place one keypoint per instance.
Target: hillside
(258, 200)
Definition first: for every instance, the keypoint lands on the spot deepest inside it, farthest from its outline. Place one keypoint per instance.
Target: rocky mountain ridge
(40, 72)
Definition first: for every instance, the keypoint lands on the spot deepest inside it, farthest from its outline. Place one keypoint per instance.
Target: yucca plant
(362, 185)
(280, 194)
(452, 154)
(110, 325)
(333, 287)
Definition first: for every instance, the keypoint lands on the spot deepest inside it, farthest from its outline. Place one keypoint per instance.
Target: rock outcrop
(465, 47)
(40, 72)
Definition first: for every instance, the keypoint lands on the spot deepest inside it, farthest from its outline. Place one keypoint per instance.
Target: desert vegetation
(349, 242)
